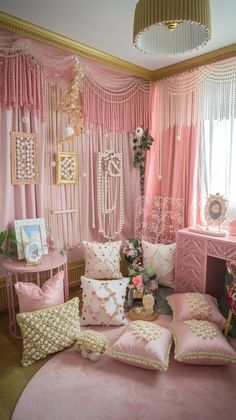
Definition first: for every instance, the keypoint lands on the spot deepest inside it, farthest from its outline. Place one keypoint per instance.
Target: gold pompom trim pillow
(102, 260)
(49, 330)
(201, 343)
(194, 305)
(143, 344)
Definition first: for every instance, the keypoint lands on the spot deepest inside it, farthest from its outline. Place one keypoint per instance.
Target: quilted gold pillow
(102, 260)
(48, 330)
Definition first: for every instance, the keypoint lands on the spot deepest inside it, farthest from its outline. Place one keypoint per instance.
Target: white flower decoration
(139, 132)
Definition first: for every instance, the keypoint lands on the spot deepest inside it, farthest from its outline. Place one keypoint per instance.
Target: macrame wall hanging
(110, 194)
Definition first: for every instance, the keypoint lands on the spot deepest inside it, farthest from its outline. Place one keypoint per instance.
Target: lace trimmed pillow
(143, 344)
(102, 260)
(49, 330)
(199, 306)
(162, 258)
(103, 301)
(201, 343)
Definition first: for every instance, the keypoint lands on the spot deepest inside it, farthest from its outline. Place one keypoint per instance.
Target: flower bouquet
(132, 251)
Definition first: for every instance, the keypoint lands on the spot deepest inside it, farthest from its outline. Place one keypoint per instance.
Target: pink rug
(69, 387)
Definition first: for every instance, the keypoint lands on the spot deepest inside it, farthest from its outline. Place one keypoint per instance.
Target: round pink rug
(69, 387)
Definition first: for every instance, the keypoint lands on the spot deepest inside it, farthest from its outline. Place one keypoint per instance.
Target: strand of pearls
(110, 187)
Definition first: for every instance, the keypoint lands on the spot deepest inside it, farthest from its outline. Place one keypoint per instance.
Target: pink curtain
(175, 157)
(114, 104)
(19, 201)
(22, 82)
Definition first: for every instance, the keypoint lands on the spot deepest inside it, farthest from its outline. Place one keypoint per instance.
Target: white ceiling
(107, 25)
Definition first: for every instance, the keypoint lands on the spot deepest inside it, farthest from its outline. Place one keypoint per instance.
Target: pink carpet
(69, 387)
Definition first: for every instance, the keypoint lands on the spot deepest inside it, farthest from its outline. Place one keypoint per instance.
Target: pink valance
(22, 83)
(116, 111)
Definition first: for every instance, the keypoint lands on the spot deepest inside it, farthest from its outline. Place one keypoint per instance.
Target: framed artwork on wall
(24, 158)
(66, 167)
(31, 239)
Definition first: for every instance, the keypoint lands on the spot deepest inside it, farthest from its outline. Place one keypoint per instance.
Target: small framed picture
(66, 167)
(31, 238)
(24, 158)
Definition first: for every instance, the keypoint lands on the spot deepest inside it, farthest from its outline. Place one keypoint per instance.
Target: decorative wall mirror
(215, 210)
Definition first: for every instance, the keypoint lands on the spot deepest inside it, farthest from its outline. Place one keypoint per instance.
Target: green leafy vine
(141, 143)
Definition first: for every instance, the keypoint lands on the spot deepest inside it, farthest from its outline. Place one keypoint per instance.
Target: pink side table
(15, 267)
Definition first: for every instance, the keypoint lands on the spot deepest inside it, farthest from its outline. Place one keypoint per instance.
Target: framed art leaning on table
(31, 239)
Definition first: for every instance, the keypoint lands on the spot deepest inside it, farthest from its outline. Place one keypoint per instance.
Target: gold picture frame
(24, 158)
(66, 167)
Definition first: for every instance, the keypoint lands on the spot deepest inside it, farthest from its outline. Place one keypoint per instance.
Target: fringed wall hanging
(24, 158)
(110, 194)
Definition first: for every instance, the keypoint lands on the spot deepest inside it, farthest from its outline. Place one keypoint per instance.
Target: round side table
(15, 268)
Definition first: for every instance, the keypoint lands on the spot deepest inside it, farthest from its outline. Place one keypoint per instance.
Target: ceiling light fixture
(171, 27)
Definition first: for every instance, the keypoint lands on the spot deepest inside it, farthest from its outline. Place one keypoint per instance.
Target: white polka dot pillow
(162, 258)
(199, 306)
(103, 301)
(102, 260)
(201, 343)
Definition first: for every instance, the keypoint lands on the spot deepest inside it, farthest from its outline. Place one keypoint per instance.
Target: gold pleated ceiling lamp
(171, 27)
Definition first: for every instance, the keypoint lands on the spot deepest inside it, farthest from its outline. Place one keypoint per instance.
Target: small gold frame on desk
(138, 313)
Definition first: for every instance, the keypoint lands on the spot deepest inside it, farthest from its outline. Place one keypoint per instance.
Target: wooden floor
(13, 377)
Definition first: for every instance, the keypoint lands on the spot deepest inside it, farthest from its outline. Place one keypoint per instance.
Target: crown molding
(26, 29)
(200, 60)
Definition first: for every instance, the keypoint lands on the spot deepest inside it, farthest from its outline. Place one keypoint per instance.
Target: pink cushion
(144, 344)
(201, 343)
(31, 297)
(195, 306)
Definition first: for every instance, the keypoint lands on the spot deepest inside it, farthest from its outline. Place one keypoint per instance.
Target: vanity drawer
(190, 258)
(192, 243)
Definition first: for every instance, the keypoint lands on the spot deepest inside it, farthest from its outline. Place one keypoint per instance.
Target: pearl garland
(110, 187)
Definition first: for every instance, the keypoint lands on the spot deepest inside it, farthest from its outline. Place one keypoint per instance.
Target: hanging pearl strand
(110, 186)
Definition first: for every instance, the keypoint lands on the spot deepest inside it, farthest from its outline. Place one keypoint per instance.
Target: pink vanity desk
(200, 261)
(15, 268)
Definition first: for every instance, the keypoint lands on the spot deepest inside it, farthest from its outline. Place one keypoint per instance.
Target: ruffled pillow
(162, 258)
(199, 306)
(102, 260)
(103, 301)
(31, 297)
(201, 343)
(143, 344)
(48, 330)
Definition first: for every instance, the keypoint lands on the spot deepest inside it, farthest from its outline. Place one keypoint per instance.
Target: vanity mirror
(215, 212)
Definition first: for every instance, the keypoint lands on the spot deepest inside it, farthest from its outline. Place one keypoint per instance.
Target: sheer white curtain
(218, 161)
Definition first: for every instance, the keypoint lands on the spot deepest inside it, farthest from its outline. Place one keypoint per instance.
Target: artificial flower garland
(141, 143)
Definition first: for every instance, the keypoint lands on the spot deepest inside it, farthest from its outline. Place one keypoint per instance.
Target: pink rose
(137, 281)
